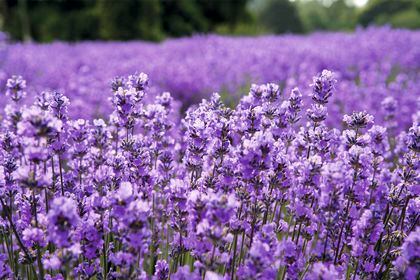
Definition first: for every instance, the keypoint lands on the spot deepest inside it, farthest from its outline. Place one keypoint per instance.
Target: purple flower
(122, 259)
(162, 270)
(117, 82)
(321, 271)
(5, 271)
(358, 120)
(183, 273)
(138, 81)
(323, 87)
(62, 219)
(294, 104)
(51, 262)
(59, 105)
(413, 138)
(33, 236)
(317, 113)
(15, 88)
(247, 191)
(407, 263)
(366, 232)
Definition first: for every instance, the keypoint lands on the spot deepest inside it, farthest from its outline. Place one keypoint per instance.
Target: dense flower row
(266, 190)
(371, 64)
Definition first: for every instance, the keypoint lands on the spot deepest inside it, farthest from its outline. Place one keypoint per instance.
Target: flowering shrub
(372, 64)
(266, 190)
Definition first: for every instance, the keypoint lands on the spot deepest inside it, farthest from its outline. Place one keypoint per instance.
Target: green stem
(20, 243)
(241, 255)
(60, 166)
(298, 234)
(152, 245)
(38, 251)
(304, 272)
(284, 273)
(104, 252)
(355, 270)
(346, 214)
(235, 242)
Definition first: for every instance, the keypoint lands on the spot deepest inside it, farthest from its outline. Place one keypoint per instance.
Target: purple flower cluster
(373, 65)
(264, 190)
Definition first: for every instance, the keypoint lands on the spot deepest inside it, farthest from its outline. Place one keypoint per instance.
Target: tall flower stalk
(266, 189)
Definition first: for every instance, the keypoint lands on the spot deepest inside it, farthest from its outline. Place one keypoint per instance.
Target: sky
(359, 3)
(256, 5)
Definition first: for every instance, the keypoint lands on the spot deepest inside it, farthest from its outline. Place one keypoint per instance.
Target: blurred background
(155, 20)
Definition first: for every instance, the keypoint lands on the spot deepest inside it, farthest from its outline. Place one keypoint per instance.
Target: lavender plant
(264, 190)
(372, 64)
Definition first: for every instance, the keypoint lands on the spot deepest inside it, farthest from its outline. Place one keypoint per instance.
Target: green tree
(67, 20)
(47, 20)
(341, 16)
(127, 19)
(401, 13)
(337, 16)
(281, 16)
(314, 15)
(229, 12)
(150, 21)
(183, 17)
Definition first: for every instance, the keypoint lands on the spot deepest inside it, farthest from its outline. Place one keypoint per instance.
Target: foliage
(74, 20)
(280, 16)
(402, 13)
(125, 19)
(316, 16)
(155, 20)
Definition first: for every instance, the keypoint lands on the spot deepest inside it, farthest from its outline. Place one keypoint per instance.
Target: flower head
(15, 88)
(62, 219)
(358, 120)
(323, 87)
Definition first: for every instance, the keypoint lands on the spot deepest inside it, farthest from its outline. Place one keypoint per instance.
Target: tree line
(73, 20)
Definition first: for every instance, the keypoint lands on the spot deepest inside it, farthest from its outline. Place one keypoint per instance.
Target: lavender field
(274, 157)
